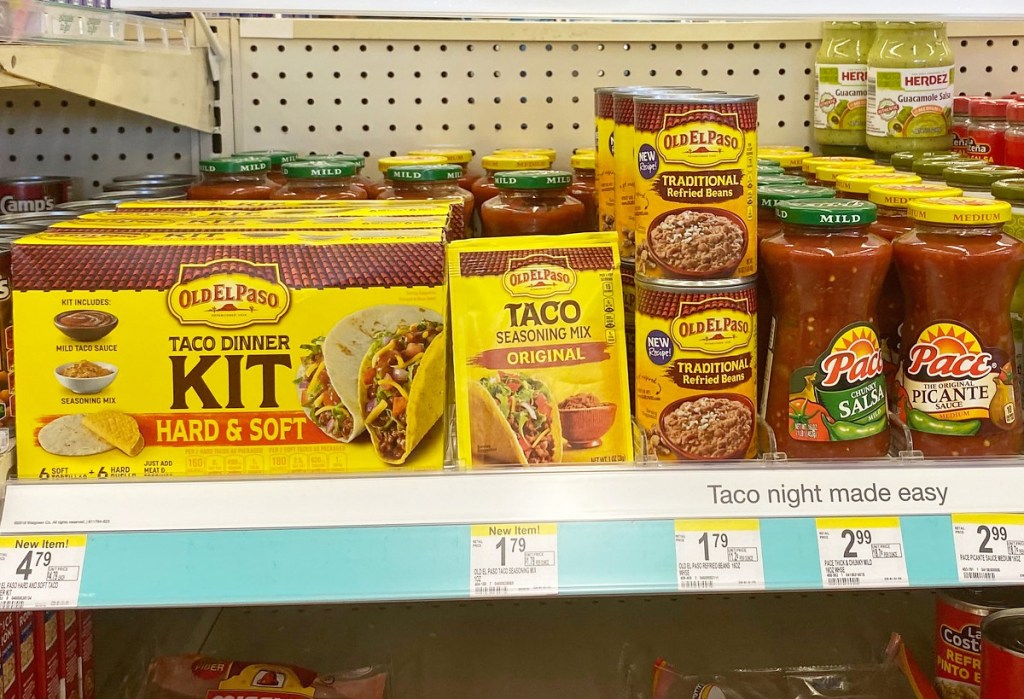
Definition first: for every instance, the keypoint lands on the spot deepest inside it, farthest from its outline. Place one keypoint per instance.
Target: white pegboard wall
(381, 96)
(48, 132)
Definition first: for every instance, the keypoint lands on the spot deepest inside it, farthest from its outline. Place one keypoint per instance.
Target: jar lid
(905, 159)
(1011, 190)
(979, 175)
(277, 157)
(533, 179)
(425, 173)
(829, 213)
(318, 169)
(235, 164)
(989, 108)
(385, 164)
(832, 172)
(811, 165)
(515, 161)
(862, 182)
(550, 153)
(584, 149)
(1015, 113)
(770, 170)
(583, 161)
(772, 195)
(961, 105)
(788, 158)
(359, 160)
(768, 180)
(963, 211)
(899, 196)
(934, 166)
(775, 148)
(457, 156)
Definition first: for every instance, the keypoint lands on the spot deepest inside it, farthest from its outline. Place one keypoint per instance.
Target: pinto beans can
(696, 368)
(1002, 655)
(20, 195)
(629, 311)
(695, 173)
(604, 126)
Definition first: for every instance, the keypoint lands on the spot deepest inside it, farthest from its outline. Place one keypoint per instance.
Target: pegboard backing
(48, 132)
(376, 95)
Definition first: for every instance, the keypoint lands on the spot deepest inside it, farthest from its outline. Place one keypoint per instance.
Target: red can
(86, 657)
(68, 655)
(1002, 655)
(19, 195)
(958, 618)
(47, 655)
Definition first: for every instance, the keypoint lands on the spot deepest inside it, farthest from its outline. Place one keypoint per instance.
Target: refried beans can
(19, 195)
(604, 159)
(629, 312)
(958, 646)
(696, 368)
(695, 170)
(1002, 655)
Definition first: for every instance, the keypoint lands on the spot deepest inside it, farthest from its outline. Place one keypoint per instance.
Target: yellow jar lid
(456, 156)
(397, 160)
(761, 150)
(862, 182)
(583, 161)
(550, 153)
(960, 211)
(785, 158)
(831, 173)
(899, 196)
(584, 149)
(514, 161)
(811, 165)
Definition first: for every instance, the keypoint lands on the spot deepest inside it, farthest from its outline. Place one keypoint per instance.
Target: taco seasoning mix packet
(539, 350)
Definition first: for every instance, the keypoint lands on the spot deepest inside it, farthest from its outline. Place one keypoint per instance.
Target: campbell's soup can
(696, 368)
(20, 195)
(629, 311)
(958, 648)
(695, 175)
(1002, 655)
(6, 333)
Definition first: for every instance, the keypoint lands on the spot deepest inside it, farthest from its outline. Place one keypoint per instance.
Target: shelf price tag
(38, 572)
(989, 548)
(513, 560)
(719, 554)
(861, 552)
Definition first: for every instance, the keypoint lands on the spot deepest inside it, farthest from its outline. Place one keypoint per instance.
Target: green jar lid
(828, 213)
(979, 176)
(318, 169)
(424, 173)
(771, 180)
(772, 195)
(847, 151)
(235, 164)
(359, 160)
(770, 170)
(277, 157)
(532, 179)
(1011, 190)
(762, 162)
(934, 165)
(905, 159)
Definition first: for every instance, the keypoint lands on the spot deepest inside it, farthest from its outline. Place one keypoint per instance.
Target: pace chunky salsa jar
(766, 180)
(826, 394)
(484, 188)
(386, 163)
(1012, 192)
(454, 156)
(277, 160)
(856, 185)
(315, 180)
(235, 177)
(533, 202)
(959, 270)
(368, 185)
(428, 182)
(584, 186)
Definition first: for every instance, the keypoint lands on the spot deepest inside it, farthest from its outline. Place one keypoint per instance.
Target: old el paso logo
(855, 357)
(948, 351)
(706, 137)
(710, 329)
(228, 294)
(539, 276)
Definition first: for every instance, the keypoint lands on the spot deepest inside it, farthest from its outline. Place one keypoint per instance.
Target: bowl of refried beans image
(716, 426)
(698, 243)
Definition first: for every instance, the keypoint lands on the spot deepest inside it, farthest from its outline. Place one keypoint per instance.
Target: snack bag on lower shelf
(196, 677)
(896, 677)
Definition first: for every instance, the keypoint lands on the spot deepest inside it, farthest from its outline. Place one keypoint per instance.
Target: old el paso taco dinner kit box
(192, 353)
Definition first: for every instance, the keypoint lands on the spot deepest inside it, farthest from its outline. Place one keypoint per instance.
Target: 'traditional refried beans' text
(709, 427)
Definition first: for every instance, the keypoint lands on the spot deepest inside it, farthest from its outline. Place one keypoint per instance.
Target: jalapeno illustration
(923, 422)
(843, 431)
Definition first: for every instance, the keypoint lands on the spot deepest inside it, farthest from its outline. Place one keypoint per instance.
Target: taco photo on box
(516, 421)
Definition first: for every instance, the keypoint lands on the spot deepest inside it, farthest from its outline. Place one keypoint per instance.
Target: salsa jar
(791, 161)
(315, 180)
(910, 88)
(1015, 134)
(428, 182)
(810, 165)
(1012, 192)
(548, 153)
(959, 271)
(961, 123)
(484, 188)
(857, 184)
(454, 156)
(533, 202)
(825, 387)
(769, 170)
(235, 177)
(584, 186)
(827, 175)
(841, 90)
(976, 179)
(987, 130)
(386, 163)
(359, 178)
(772, 180)
(277, 160)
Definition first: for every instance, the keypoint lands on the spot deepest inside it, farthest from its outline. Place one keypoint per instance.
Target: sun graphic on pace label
(951, 339)
(861, 341)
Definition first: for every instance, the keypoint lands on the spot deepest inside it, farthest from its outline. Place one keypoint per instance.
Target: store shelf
(407, 537)
(122, 77)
